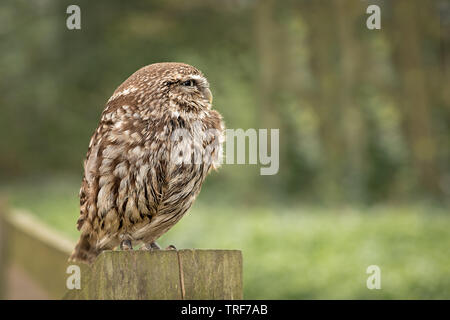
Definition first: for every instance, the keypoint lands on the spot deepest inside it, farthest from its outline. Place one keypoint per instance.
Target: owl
(157, 140)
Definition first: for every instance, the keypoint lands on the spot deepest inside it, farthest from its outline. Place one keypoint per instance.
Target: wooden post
(164, 274)
(3, 257)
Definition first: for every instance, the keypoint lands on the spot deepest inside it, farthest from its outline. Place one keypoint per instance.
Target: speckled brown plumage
(135, 187)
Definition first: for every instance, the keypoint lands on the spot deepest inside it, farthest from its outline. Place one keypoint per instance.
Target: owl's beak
(207, 94)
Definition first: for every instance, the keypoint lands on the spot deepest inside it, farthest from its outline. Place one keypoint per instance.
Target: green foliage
(363, 115)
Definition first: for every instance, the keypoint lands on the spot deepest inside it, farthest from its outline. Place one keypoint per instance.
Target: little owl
(157, 140)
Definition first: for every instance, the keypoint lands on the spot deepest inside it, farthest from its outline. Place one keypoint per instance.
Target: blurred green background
(364, 123)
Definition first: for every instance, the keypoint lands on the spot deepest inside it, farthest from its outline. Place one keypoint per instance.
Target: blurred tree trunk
(444, 92)
(322, 42)
(352, 125)
(444, 46)
(408, 31)
(270, 44)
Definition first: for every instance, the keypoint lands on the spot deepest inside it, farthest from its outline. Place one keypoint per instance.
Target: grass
(297, 253)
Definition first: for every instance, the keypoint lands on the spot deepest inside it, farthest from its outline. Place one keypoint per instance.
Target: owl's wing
(90, 171)
(114, 140)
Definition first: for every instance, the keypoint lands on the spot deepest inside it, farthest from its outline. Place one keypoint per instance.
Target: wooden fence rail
(167, 274)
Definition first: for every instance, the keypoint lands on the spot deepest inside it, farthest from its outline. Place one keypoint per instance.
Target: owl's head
(177, 86)
(187, 86)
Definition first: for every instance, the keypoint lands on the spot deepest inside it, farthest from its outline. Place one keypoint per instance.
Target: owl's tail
(84, 251)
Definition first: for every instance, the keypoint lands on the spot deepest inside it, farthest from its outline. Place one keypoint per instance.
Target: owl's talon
(126, 245)
(171, 247)
(151, 246)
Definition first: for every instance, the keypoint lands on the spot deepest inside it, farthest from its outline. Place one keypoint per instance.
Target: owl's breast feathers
(138, 179)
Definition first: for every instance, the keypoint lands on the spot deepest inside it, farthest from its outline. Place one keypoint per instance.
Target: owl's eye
(188, 83)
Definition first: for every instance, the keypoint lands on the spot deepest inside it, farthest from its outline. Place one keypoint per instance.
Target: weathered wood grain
(164, 274)
(212, 274)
